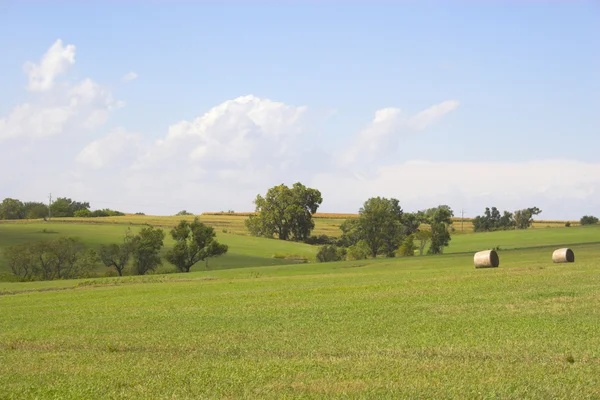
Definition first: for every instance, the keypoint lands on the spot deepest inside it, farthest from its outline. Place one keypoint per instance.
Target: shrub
(408, 247)
(83, 213)
(588, 220)
(331, 252)
(321, 239)
(359, 251)
(567, 224)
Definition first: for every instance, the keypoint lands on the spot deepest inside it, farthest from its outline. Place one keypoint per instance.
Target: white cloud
(130, 76)
(554, 185)
(58, 109)
(118, 148)
(382, 135)
(238, 135)
(55, 62)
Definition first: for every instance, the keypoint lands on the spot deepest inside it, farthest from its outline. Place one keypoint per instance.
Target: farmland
(418, 327)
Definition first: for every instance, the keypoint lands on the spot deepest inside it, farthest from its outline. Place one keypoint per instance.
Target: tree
(492, 220)
(524, 218)
(182, 213)
(588, 220)
(11, 209)
(146, 250)
(285, 212)
(63, 258)
(422, 237)
(358, 251)
(379, 225)
(65, 207)
(330, 252)
(84, 213)
(407, 248)
(194, 242)
(440, 219)
(35, 210)
(118, 255)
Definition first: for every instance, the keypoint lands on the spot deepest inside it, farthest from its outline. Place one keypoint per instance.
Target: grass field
(417, 327)
(245, 251)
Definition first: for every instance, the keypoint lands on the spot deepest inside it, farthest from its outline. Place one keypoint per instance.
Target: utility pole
(49, 205)
(462, 220)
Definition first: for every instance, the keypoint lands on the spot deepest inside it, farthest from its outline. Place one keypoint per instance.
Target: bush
(321, 240)
(359, 251)
(588, 220)
(408, 247)
(568, 224)
(83, 213)
(330, 253)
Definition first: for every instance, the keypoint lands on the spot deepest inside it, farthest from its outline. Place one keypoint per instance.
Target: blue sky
(515, 83)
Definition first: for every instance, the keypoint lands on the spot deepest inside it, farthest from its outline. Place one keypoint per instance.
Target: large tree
(194, 242)
(492, 220)
(524, 218)
(12, 209)
(285, 212)
(146, 250)
(117, 255)
(379, 226)
(65, 207)
(440, 219)
(35, 210)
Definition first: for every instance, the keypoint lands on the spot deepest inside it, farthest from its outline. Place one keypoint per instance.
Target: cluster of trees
(588, 220)
(492, 220)
(60, 208)
(382, 228)
(68, 257)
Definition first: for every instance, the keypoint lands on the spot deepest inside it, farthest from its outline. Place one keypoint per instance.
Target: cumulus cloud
(58, 108)
(117, 148)
(382, 136)
(55, 62)
(130, 76)
(238, 135)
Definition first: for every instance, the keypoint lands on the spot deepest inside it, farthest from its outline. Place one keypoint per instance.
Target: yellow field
(325, 223)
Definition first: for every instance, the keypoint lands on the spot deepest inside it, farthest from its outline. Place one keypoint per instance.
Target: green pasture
(245, 251)
(417, 327)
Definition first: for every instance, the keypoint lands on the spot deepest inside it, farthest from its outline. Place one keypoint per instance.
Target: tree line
(381, 229)
(68, 257)
(60, 208)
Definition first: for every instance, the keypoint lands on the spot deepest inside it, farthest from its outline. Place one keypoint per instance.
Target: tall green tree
(440, 219)
(379, 226)
(524, 218)
(65, 207)
(492, 220)
(285, 212)
(117, 255)
(11, 209)
(35, 210)
(194, 242)
(146, 250)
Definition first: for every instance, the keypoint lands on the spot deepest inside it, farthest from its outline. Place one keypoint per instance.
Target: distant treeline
(61, 207)
(140, 254)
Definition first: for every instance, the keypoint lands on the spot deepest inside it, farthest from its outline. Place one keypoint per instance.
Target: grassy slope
(244, 251)
(421, 327)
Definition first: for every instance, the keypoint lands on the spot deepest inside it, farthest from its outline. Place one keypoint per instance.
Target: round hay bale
(486, 259)
(565, 255)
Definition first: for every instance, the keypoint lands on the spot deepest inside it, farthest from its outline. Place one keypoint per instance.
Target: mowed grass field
(245, 251)
(415, 327)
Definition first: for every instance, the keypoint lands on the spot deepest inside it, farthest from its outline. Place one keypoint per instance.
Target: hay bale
(565, 255)
(486, 259)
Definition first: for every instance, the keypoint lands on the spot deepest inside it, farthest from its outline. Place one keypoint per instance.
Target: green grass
(245, 251)
(417, 327)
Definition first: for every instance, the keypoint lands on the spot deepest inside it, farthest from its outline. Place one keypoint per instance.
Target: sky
(159, 106)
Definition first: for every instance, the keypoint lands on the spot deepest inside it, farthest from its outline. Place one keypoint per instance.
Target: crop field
(414, 327)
